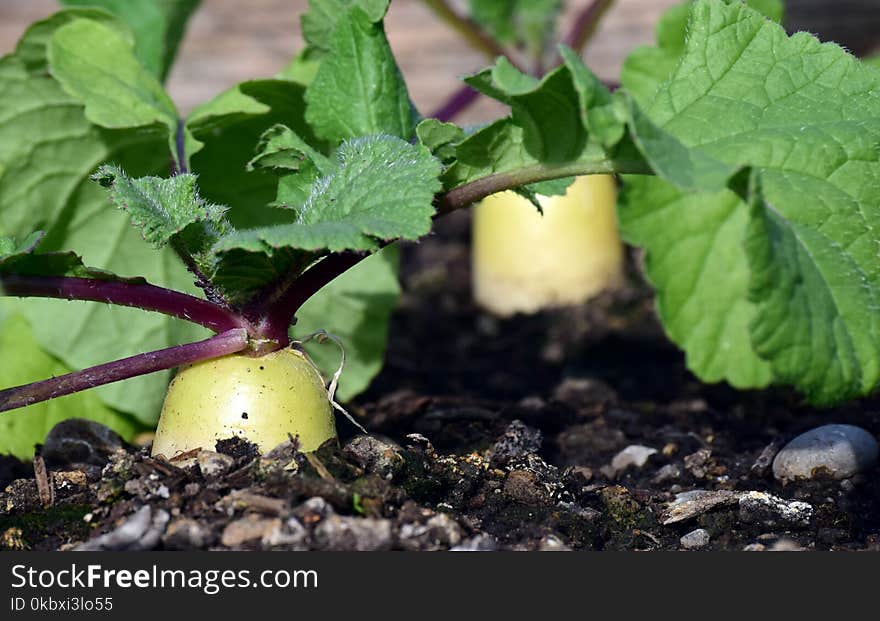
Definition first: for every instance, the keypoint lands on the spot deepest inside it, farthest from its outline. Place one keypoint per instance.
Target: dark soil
(487, 434)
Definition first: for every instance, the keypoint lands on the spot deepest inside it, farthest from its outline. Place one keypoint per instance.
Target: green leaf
(21, 429)
(355, 307)
(320, 21)
(358, 89)
(692, 238)
(296, 163)
(97, 65)
(568, 121)
(167, 210)
(647, 67)
(158, 26)
(440, 138)
(48, 149)
(530, 23)
(9, 247)
(382, 188)
(549, 110)
(804, 118)
(21, 259)
(228, 129)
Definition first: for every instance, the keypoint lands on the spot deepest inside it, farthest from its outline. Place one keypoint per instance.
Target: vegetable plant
(576, 225)
(751, 175)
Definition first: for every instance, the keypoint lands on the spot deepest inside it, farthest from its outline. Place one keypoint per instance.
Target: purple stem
(459, 101)
(585, 24)
(228, 342)
(277, 320)
(137, 295)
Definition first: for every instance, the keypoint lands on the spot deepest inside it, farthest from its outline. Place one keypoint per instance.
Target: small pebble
(695, 539)
(634, 455)
(518, 440)
(80, 441)
(141, 531)
(187, 534)
(375, 455)
(214, 464)
(440, 532)
(669, 472)
(248, 528)
(761, 507)
(291, 534)
(351, 534)
(478, 543)
(829, 451)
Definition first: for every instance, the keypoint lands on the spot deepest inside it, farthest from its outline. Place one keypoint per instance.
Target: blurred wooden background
(233, 40)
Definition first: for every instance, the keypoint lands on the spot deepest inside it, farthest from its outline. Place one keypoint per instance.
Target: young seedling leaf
(167, 210)
(567, 122)
(358, 89)
(296, 163)
(803, 117)
(382, 188)
(355, 307)
(158, 26)
(440, 138)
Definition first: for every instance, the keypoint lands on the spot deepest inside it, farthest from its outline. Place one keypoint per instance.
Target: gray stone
(832, 451)
(247, 529)
(375, 455)
(141, 531)
(187, 534)
(634, 455)
(699, 463)
(696, 502)
(291, 534)
(669, 472)
(761, 507)
(517, 441)
(214, 464)
(351, 534)
(478, 543)
(584, 392)
(695, 539)
(313, 510)
(80, 441)
(440, 532)
(552, 543)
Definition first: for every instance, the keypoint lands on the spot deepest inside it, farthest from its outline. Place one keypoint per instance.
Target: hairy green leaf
(158, 26)
(382, 188)
(167, 210)
(296, 163)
